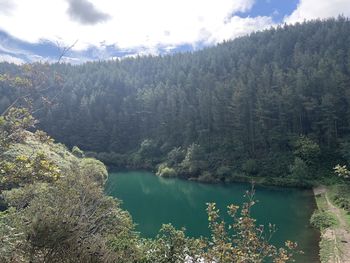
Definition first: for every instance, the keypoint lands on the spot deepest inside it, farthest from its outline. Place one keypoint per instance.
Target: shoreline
(260, 181)
(334, 240)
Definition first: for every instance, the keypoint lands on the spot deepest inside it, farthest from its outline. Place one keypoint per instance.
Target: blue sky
(277, 9)
(36, 30)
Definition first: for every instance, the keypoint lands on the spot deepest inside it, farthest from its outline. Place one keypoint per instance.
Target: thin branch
(13, 104)
(65, 50)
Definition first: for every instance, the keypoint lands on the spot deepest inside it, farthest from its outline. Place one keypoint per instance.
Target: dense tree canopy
(245, 104)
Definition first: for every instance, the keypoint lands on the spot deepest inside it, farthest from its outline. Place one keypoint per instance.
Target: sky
(38, 30)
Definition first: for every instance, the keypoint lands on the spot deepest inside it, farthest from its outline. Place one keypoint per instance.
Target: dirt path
(338, 234)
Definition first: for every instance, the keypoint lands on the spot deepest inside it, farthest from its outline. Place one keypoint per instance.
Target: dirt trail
(338, 234)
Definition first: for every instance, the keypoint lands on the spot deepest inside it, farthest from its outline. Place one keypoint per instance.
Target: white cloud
(238, 26)
(131, 23)
(312, 9)
(73, 60)
(11, 59)
(6, 6)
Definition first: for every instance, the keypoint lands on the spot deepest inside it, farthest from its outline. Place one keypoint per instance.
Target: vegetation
(253, 104)
(55, 211)
(340, 197)
(322, 219)
(333, 221)
(272, 106)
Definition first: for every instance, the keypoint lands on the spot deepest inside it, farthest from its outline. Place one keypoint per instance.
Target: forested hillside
(275, 103)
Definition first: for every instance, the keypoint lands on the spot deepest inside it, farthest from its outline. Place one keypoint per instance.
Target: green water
(152, 201)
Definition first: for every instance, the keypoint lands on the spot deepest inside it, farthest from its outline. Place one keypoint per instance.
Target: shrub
(342, 202)
(322, 220)
(42, 137)
(194, 162)
(77, 152)
(94, 169)
(165, 171)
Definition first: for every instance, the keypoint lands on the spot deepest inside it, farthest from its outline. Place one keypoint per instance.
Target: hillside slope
(244, 105)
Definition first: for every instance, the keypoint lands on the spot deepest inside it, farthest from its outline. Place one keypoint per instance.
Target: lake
(152, 201)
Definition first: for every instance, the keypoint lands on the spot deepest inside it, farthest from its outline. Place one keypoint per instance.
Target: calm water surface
(152, 201)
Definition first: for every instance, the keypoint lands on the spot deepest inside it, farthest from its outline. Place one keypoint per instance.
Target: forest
(272, 105)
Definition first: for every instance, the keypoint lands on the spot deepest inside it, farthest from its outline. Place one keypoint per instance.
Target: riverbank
(212, 169)
(278, 170)
(256, 180)
(335, 238)
(264, 181)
